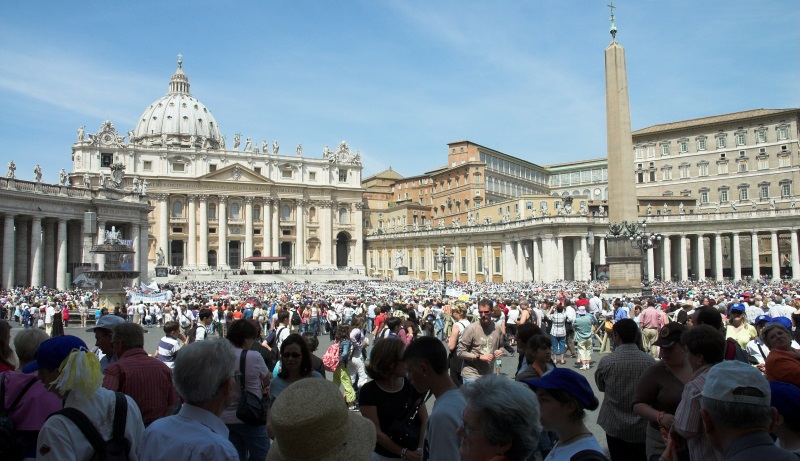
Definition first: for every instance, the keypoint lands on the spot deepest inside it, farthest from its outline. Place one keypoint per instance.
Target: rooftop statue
(37, 173)
(12, 168)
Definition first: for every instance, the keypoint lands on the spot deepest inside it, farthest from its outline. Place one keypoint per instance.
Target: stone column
(795, 255)
(143, 251)
(736, 255)
(61, 264)
(192, 243)
(100, 260)
(136, 234)
(222, 230)
(718, 256)
(163, 228)
(586, 261)
(684, 258)
(8, 251)
(276, 235)
(266, 213)
(36, 251)
(651, 265)
(560, 257)
(202, 253)
(546, 274)
(22, 249)
(49, 253)
(248, 232)
(300, 238)
(776, 256)
(701, 258)
(602, 250)
(508, 260)
(522, 261)
(666, 258)
(537, 266)
(756, 256)
(358, 221)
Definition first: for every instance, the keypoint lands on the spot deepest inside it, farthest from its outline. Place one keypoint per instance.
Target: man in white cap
(737, 416)
(103, 336)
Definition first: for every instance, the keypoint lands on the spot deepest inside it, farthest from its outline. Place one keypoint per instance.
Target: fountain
(113, 278)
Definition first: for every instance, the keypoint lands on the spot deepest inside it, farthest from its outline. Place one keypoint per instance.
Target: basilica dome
(177, 119)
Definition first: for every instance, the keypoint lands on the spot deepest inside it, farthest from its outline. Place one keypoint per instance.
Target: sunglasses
(291, 355)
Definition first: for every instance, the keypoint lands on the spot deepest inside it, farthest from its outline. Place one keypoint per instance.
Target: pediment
(236, 173)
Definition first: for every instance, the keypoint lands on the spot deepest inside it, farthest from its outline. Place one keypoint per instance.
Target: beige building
(217, 203)
(719, 189)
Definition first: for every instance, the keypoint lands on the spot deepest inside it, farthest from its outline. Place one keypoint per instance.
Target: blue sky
(397, 80)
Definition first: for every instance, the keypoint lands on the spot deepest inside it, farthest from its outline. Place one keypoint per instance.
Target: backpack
(331, 357)
(733, 351)
(117, 447)
(193, 333)
(12, 445)
(296, 320)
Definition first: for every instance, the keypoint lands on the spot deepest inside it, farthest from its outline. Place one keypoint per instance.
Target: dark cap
(565, 380)
(670, 334)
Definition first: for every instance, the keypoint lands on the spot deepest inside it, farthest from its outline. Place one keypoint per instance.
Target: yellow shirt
(743, 336)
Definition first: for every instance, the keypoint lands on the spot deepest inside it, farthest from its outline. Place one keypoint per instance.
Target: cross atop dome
(180, 61)
(179, 82)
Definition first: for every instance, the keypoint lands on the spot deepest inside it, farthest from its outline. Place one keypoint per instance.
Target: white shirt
(49, 312)
(595, 304)
(60, 439)
(193, 434)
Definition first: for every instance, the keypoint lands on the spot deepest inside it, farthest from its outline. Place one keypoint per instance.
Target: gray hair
(26, 342)
(736, 415)
(509, 411)
(201, 368)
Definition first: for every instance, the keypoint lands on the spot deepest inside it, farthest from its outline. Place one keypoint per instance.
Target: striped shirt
(167, 348)
(687, 418)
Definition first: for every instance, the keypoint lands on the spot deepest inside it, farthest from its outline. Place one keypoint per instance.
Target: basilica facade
(217, 202)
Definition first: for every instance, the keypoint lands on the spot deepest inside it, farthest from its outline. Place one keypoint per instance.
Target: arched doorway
(286, 252)
(257, 266)
(234, 254)
(342, 249)
(212, 258)
(176, 253)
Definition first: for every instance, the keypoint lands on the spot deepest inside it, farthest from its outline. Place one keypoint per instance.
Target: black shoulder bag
(252, 409)
(405, 428)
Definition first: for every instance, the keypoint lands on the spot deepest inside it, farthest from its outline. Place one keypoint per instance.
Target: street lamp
(444, 259)
(640, 239)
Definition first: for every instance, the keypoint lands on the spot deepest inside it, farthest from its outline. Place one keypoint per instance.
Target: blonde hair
(79, 373)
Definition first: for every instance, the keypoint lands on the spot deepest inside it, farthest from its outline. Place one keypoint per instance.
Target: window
(651, 151)
(740, 139)
(463, 263)
(763, 163)
(343, 216)
(257, 170)
(763, 191)
(701, 144)
(664, 148)
(784, 161)
(147, 165)
(702, 169)
(528, 205)
(497, 264)
(286, 174)
(286, 213)
(720, 142)
(684, 170)
(666, 174)
(234, 211)
(652, 176)
(212, 168)
(722, 167)
(703, 195)
(683, 146)
(742, 167)
(639, 152)
(761, 135)
(783, 132)
(723, 195)
(106, 160)
(479, 264)
(743, 196)
(422, 262)
(257, 213)
(178, 167)
(177, 209)
(212, 211)
(640, 177)
(786, 189)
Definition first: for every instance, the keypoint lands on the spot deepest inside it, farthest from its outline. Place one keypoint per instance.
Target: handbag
(405, 427)
(252, 409)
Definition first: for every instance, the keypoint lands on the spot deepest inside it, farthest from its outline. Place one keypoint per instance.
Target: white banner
(453, 293)
(151, 298)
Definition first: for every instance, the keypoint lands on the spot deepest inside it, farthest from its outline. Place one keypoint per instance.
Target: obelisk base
(624, 267)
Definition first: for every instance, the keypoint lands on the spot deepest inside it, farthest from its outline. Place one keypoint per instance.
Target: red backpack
(331, 358)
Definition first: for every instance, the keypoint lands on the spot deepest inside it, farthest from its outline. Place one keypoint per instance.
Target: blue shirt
(192, 434)
(248, 313)
(621, 314)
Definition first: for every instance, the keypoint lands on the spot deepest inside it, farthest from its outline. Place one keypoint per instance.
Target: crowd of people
(697, 371)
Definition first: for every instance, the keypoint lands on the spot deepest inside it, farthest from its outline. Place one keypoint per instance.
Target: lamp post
(640, 239)
(443, 259)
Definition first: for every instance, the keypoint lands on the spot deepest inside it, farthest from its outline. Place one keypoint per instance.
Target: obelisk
(624, 262)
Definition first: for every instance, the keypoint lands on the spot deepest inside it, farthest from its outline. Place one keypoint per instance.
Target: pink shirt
(650, 318)
(35, 405)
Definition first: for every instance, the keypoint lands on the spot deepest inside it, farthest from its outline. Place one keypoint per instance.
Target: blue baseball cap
(736, 307)
(786, 322)
(786, 399)
(763, 318)
(566, 380)
(52, 352)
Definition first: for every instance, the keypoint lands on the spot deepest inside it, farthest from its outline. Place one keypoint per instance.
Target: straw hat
(312, 423)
